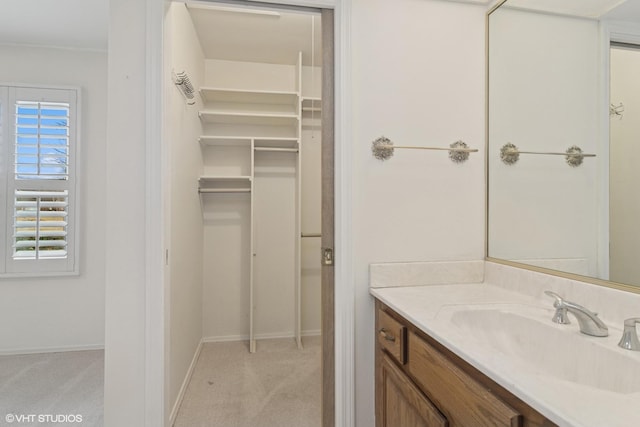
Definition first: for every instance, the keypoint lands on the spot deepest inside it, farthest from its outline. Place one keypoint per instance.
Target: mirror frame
(611, 34)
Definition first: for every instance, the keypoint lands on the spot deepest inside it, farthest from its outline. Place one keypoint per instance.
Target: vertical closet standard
(250, 192)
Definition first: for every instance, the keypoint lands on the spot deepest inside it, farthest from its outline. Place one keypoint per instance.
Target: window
(38, 132)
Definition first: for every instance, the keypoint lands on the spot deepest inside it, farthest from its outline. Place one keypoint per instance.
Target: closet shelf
(224, 178)
(224, 184)
(223, 190)
(311, 104)
(213, 94)
(245, 141)
(252, 109)
(213, 140)
(276, 143)
(276, 149)
(249, 118)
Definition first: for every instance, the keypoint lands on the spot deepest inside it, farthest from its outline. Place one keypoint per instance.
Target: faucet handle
(560, 315)
(552, 294)
(629, 340)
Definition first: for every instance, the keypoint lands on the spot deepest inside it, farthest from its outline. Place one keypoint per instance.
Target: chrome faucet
(589, 321)
(629, 338)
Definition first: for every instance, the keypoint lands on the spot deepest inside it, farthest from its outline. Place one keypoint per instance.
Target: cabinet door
(465, 401)
(403, 405)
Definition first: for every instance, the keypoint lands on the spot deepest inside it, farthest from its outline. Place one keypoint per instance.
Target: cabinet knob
(386, 336)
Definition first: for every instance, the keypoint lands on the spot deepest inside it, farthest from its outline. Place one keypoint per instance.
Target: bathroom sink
(526, 336)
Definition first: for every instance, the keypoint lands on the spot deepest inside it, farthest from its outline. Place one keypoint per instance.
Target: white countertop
(564, 402)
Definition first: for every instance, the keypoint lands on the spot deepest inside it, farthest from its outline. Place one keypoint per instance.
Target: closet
(259, 186)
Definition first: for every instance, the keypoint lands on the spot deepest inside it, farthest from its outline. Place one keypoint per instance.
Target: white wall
(249, 75)
(625, 175)
(44, 314)
(544, 97)
(128, 309)
(418, 79)
(274, 244)
(182, 129)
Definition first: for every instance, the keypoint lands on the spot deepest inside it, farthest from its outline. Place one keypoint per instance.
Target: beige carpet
(278, 386)
(54, 384)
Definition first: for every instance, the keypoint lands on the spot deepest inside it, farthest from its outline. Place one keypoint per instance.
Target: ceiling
(621, 10)
(81, 24)
(237, 33)
(628, 10)
(228, 32)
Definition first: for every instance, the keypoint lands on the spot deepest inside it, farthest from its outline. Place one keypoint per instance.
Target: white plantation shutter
(41, 140)
(40, 220)
(40, 224)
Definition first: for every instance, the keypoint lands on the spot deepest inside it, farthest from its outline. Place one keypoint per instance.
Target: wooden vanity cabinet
(419, 383)
(403, 403)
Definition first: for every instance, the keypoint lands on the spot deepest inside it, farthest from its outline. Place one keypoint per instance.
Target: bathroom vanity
(421, 383)
(488, 354)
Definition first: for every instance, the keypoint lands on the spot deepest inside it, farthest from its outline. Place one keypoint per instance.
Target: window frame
(10, 94)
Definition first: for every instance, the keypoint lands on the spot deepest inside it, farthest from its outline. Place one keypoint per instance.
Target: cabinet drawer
(463, 400)
(392, 336)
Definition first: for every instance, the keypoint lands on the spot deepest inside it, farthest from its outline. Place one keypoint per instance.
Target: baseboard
(229, 338)
(62, 349)
(185, 383)
(225, 338)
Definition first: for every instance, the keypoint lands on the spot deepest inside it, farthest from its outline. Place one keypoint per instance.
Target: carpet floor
(59, 385)
(278, 386)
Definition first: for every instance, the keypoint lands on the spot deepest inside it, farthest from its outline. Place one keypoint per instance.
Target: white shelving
(224, 184)
(248, 118)
(222, 95)
(311, 104)
(239, 124)
(231, 141)
(247, 107)
(210, 140)
(276, 142)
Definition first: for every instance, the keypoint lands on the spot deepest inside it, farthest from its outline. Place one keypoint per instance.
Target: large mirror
(564, 137)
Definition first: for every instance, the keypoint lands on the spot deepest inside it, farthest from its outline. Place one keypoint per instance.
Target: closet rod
(286, 150)
(224, 190)
(310, 235)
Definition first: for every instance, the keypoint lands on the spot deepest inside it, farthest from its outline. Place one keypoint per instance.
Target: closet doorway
(250, 138)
